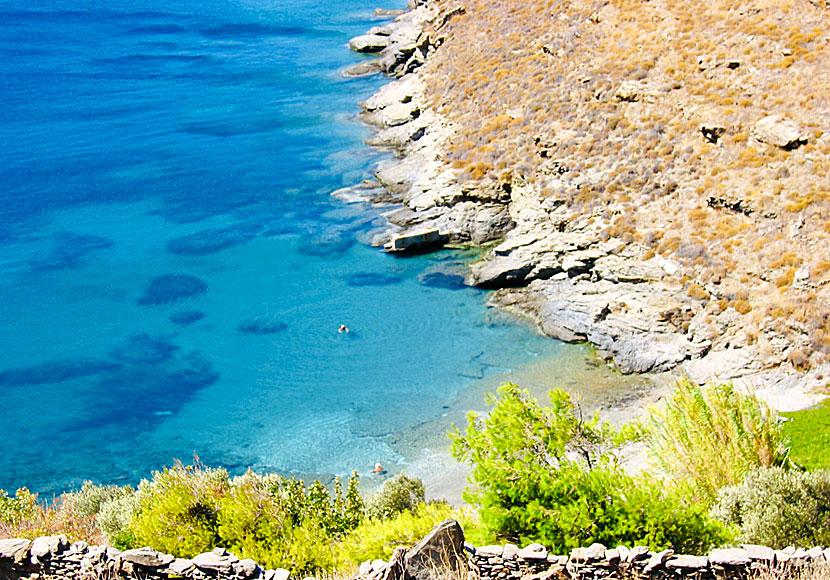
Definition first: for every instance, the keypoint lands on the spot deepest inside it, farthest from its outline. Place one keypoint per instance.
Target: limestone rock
(490, 551)
(759, 553)
(369, 43)
(16, 549)
(47, 546)
(363, 69)
(281, 574)
(629, 323)
(688, 562)
(780, 132)
(636, 554)
(657, 560)
(147, 556)
(534, 552)
(181, 567)
(439, 554)
(246, 568)
(219, 560)
(729, 557)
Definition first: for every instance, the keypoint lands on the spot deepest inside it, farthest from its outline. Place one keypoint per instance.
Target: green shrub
(543, 474)
(17, 509)
(397, 495)
(114, 519)
(178, 510)
(778, 508)
(89, 500)
(377, 538)
(710, 437)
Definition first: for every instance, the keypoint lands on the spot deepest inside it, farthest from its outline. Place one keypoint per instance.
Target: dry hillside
(652, 110)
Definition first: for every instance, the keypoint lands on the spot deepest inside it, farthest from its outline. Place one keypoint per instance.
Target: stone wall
(53, 557)
(597, 562)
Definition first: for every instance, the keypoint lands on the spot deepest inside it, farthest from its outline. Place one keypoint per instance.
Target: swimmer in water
(343, 328)
(378, 468)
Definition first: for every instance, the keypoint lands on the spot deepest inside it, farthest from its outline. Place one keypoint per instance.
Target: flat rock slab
(147, 556)
(729, 557)
(369, 43)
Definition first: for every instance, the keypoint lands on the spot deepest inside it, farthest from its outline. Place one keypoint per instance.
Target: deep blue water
(173, 268)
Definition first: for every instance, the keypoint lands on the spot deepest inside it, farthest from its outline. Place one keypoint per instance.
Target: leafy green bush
(544, 474)
(178, 510)
(89, 500)
(710, 437)
(15, 509)
(377, 538)
(114, 520)
(397, 495)
(778, 508)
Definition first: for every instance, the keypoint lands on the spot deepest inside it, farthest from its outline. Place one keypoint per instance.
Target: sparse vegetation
(534, 92)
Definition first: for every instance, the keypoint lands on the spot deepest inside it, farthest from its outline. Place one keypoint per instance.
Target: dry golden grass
(532, 88)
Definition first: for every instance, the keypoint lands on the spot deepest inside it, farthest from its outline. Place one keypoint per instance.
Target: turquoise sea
(173, 268)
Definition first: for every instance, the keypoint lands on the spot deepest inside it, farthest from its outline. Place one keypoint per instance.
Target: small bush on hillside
(377, 538)
(544, 474)
(398, 494)
(114, 520)
(23, 516)
(710, 437)
(14, 510)
(778, 508)
(88, 500)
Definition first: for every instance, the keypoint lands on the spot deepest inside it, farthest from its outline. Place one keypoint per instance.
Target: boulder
(181, 567)
(657, 560)
(363, 69)
(218, 560)
(535, 552)
(369, 43)
(47, 546)
(16, 549)
(636, 554)
(147, 557)
(281, 574)
(439, 555)
(246, 568)
(780, 132)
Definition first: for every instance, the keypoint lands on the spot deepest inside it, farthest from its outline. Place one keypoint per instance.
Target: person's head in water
(343, 328)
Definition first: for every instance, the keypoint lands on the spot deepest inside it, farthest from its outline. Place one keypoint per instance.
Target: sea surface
(174, 269)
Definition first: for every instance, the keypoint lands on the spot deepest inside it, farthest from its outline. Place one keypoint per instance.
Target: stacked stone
(597, 562)
(508, 562)
(53, 557)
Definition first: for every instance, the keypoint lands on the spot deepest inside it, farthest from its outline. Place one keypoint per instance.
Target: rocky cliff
(655, 173)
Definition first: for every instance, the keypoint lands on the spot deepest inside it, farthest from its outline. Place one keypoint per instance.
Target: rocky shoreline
(551, 263)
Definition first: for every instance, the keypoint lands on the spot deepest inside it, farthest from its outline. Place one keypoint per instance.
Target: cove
(174, 269)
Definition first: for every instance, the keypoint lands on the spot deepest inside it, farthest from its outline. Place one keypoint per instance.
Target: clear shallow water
(173, 269)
